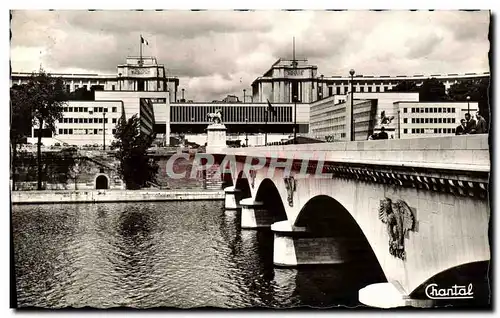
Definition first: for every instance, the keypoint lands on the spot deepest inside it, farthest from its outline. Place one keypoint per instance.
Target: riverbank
(106, 196)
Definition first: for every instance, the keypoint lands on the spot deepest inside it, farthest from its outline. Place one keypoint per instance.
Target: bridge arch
(268, 194)
(324, 217)
(242, 184)
(475, 273)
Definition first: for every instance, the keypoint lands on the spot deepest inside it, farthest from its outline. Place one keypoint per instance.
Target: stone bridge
(418, 207)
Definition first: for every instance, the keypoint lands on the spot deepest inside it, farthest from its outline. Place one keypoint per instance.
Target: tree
(477, 90)
(46, 97)
(432, 90)
(136, 168)
(20, 123)
(83, 93)
(405, 86)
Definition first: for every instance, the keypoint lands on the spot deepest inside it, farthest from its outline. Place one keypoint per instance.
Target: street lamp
(183, 100)
(468, 107)
(246, 131)
(120, 81)
(399, 124)
(244, 90)
(295, 120)
(104, 129)
(352, 104)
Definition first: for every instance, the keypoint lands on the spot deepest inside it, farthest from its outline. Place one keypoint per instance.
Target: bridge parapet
(454, 164)
(469, 153)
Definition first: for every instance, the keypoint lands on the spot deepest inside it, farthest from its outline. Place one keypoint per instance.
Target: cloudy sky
(215, 53)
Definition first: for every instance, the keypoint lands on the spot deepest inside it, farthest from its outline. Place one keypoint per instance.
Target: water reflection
(176, 254)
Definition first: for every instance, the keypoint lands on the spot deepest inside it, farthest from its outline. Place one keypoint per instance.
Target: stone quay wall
(102, 196)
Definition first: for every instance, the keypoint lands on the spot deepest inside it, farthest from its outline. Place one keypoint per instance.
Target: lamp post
(468, 103)
(183, 96)
(399, 124)
(120, 81)
(246, 131)
(352, 104)
(104, 129)
(295, 120)
(244, 91)
(320, 88)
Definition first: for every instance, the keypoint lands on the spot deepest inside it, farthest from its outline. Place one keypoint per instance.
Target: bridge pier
(386, 295)
(254, 215)
(296, 246)
(231, 198)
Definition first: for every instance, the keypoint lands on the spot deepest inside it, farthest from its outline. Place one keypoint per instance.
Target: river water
(170, 254)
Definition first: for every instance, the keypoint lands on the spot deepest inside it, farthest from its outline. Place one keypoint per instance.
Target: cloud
(215, 53)
(422, 46)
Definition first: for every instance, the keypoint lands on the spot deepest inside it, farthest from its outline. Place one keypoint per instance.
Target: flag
(144, 41)
(271, 108)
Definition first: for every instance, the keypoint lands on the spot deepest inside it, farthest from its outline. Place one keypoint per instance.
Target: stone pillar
(386, 295)
(284, 247)
(231, 198)
(254, 215)
(216, 138)
(295, 246)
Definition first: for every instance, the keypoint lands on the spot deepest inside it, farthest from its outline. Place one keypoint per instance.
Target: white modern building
(432, 118)
(142, 92)
(401, 115)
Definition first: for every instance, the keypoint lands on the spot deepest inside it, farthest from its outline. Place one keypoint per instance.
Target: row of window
(237, 114)
(86, 120)
(89, 109)
(75, 131)
(430, 110)
(430, 131)
(430, 120)
(358, 89)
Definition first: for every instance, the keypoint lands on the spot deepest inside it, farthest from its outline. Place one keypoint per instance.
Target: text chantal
(455, 292)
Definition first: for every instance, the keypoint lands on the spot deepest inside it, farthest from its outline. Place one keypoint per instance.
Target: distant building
(283, 81)
(401, 115)
(231, 99)
(136, 74)
(93, 122)
(432, 118)
(320, 105)
(329, 119)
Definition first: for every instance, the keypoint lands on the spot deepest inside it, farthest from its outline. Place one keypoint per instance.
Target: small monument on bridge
(216, 132)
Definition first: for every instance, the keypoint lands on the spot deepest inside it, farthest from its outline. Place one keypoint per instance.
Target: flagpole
(140, 59)
(294, 64)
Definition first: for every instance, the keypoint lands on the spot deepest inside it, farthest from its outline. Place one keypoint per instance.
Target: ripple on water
(174, 254)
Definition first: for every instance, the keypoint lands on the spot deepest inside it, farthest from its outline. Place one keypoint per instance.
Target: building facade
(285, 79)
(135, 74)
(329, 119)
(141, 93)
(432, 118)
(401, 117)
(316, 105)
(239, 117)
